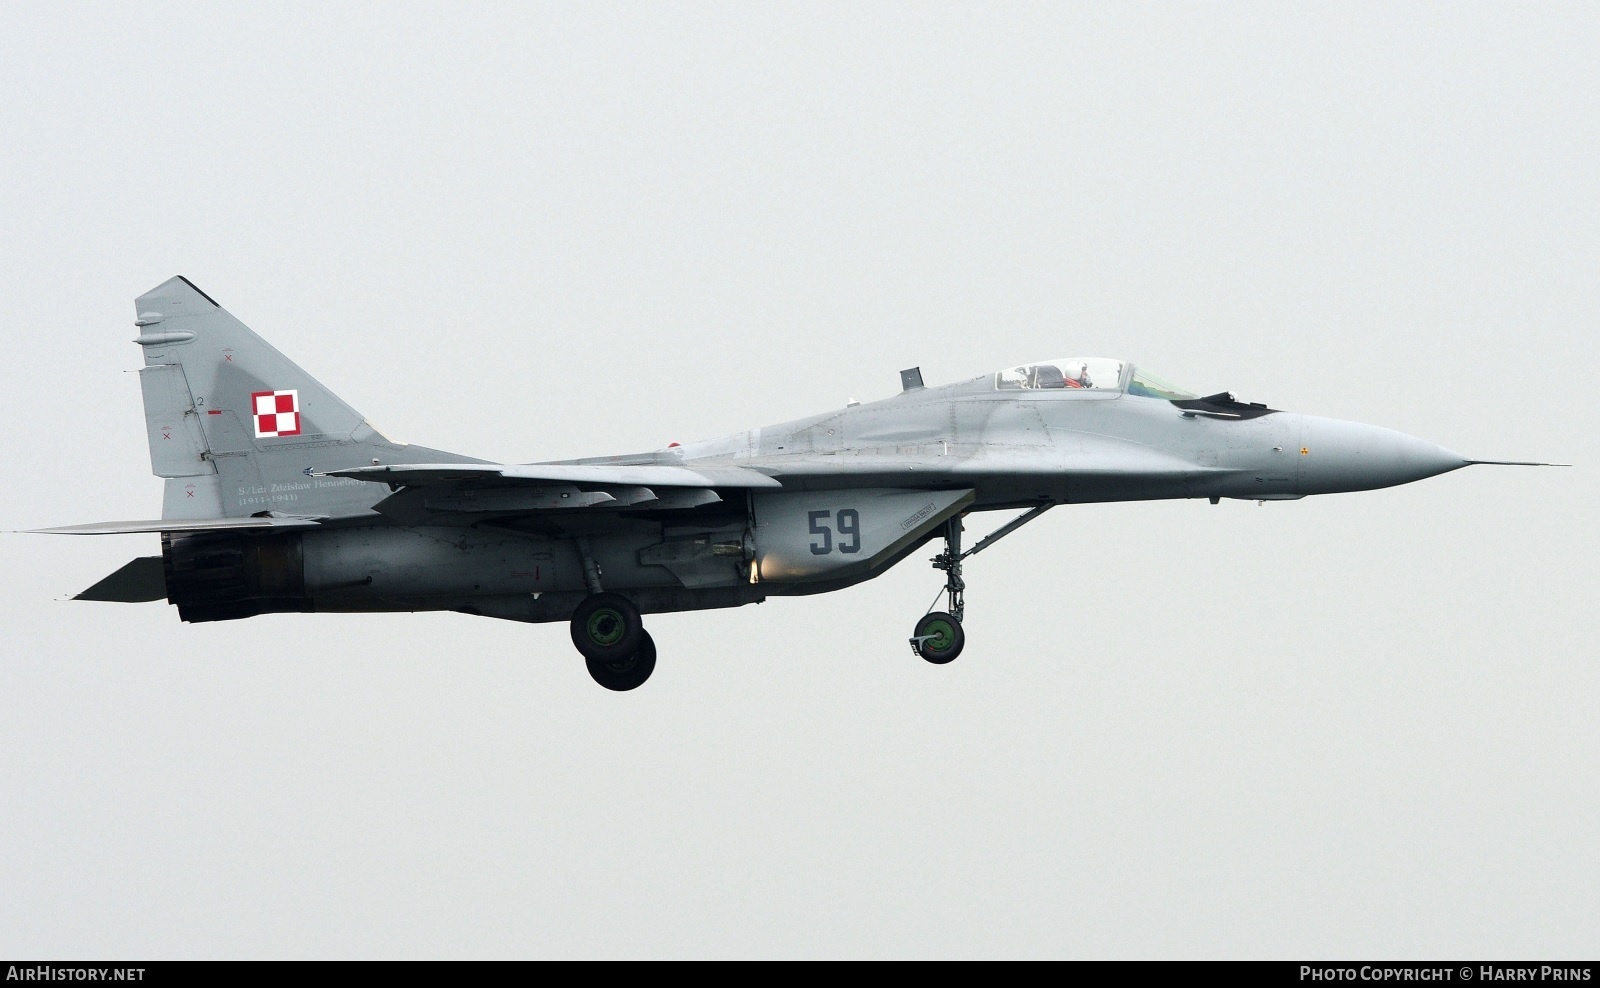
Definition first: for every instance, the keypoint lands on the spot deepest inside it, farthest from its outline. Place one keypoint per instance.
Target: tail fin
(237, 428)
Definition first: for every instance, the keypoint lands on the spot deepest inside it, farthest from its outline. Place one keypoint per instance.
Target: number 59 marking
(849, 522)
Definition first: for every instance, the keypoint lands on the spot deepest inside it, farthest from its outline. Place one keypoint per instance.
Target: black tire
(606, 626)
(626, 673)
(947, 637)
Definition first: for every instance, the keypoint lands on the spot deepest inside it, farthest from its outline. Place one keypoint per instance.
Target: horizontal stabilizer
(643, 475)
(141, 580)
(175, 525)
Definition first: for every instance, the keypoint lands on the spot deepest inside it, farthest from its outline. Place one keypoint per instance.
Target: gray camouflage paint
(806, 506)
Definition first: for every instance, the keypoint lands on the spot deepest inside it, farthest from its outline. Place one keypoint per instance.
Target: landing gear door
(825, 535)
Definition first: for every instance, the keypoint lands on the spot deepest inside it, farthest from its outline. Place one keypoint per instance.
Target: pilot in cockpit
(1048, 376)
(1056, 377)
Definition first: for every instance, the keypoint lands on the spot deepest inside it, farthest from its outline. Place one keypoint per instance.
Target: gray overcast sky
(1354, 725)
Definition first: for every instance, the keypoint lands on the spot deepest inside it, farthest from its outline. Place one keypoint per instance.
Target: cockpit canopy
(1102, 374)
(1086, 373)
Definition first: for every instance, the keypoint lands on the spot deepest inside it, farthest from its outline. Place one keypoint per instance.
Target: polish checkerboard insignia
(276, 413)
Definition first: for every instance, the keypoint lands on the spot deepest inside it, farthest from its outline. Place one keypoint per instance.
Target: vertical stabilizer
(237, 428)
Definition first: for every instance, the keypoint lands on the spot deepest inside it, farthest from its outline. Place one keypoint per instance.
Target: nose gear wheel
(939, 637)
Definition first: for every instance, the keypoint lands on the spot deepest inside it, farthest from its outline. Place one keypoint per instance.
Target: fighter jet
(281, 497)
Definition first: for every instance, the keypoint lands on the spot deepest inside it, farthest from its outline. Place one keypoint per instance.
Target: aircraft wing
(544, 487)
(642, 475)
(425, 490)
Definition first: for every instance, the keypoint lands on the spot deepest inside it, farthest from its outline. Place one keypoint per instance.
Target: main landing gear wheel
(939, 637)
(606, 628)
(626, 673)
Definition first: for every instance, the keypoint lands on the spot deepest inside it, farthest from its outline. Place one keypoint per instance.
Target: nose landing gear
(938, 637)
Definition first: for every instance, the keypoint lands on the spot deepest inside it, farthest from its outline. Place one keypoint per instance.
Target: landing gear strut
(938, 636)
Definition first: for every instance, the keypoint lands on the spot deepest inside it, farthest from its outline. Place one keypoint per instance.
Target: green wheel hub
(939, 637)
(605, 626)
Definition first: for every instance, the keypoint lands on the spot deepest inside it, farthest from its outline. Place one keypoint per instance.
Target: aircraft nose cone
(1348, 456)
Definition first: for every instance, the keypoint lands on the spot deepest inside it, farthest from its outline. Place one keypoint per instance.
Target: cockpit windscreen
(1150, 386)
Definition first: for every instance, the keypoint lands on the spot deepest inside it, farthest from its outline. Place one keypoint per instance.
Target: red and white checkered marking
(277, 413)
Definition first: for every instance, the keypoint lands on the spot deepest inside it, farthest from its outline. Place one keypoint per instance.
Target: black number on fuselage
(819, 526)
(850, 524)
